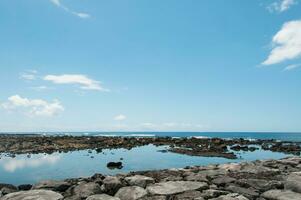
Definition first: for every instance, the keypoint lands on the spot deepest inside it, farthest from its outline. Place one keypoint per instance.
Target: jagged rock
(102, 197)
(153, 198)
(281, 195)
(138, 180)
(232, 196)
(293, 182)
(131, 193)
(210, 193)
(25, 187)
(33, 195)
(59, 186)
(85, 190)
(114, 165)
(175, 187)
(189, 195)
(260, 184)
(196, 177)
(247, 192)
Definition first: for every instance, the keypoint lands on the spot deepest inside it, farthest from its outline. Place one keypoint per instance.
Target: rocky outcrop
(33, 195)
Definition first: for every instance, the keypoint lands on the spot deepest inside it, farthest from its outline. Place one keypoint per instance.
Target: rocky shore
(208, 147)
(258, 180)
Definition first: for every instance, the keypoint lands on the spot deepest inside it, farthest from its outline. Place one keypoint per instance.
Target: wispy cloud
(291, 67)
(59, 4)
(281, 5)
(29, 75)
(83, 81)
(120, 117)
(286, 44)
(33, 107)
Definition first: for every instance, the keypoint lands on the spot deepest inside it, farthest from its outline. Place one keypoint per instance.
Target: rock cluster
(258, 180)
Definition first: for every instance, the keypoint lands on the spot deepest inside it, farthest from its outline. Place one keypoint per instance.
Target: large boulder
(247, 192)
(7, 188)
(212, 193)
(138, 180)
(131, 193)
(85, 190)
(102, 197)
(281, 195)
(175, 187)
(260, 184)
(59, 186)
(111, 185)
(33, 195)
(293, 182)
(189, 195)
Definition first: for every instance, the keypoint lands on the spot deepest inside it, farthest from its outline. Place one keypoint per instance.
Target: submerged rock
(33, 195)
(114, 165)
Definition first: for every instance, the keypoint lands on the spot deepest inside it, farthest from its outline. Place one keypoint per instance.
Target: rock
(25, 187)
(260, 184)
(175, 187)
(114, 165)
(243, 148)
(210, 193)
(33, 195)
(131, 193)
(281, 195)
(7, 188)
(59, 186)
(232, 196)
(196, 177)
(223, 181)
(189, 195)
(138, 180)
(153, 198)
(293, 182)
(247, 192)
(102, 197)
(111, 185)
(85, 190)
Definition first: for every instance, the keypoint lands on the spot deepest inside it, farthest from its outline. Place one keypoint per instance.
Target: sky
(140, 65)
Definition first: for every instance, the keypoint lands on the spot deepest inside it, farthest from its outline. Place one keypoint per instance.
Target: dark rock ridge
(209, 147)
(258, 180)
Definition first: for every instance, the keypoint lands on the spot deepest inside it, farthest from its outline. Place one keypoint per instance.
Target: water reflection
(13, 164)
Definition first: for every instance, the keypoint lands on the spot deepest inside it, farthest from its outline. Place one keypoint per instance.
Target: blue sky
(139, 65)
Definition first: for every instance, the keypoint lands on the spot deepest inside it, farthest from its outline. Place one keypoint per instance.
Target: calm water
(23, 169)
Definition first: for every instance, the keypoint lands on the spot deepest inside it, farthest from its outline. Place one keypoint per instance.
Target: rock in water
(131, 193)
(281, 195)
(175, 187)
(102, 197)
(114, 165)
(138, 180)
(33, 195)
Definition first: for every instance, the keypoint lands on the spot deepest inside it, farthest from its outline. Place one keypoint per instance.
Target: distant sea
(283, 136)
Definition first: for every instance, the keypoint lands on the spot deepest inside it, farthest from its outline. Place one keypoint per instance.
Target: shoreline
(257, 180)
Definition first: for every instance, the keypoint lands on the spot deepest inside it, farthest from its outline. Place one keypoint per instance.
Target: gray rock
(102, 197)
(7, 188)
(111, 185)
(85, 190)
(189, 195)
(261, 184)
(222, 181)
(138, 180)
(59, 186)
(175, 187)
(33, 195)
(131, 193)
(281, 195)
(153, 198)
(210, 193)
(196, 177)
(232, 196)
(293, 182)
(247, 192)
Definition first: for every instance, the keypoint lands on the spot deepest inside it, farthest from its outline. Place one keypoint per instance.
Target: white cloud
(120, 117)
(281, 5)
(82, 80)
(286, 43)
(29, 75)
(33, 107)
(291, 67)
(11, 165)
(59, 4)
